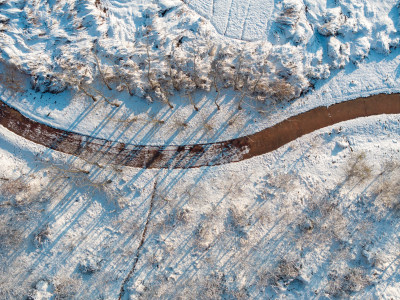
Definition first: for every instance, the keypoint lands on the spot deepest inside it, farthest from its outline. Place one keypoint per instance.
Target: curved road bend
(191, 156)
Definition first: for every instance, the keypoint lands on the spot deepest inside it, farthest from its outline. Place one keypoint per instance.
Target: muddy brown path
(104, 152)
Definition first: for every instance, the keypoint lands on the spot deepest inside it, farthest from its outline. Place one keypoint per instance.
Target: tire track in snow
(245, 20)
(238, 19)
(229, 17)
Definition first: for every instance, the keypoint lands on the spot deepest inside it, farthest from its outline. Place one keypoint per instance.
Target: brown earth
(102, 151)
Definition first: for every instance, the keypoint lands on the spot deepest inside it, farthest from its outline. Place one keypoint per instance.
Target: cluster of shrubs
(158, 64)
(157, 75)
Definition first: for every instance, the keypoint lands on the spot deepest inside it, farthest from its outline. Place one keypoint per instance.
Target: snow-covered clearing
(245, 20)
(318, 218)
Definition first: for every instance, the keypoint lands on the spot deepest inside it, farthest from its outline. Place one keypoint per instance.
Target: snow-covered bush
(205, 235)
(42, 236)
(338, 52)
(289, 13)
(89, 265)
(333, 21)
(360, 50)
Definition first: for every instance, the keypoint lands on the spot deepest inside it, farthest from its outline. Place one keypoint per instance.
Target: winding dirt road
(103, 151)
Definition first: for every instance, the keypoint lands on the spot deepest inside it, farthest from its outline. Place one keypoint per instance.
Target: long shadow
(93, 150)
(195, 155)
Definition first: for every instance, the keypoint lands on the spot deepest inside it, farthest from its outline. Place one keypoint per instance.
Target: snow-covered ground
(139, 122)
(119, 40)
(317, 218)
(245, 20)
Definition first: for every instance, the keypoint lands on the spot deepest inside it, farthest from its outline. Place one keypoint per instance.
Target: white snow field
(245, 20)
(318, 218)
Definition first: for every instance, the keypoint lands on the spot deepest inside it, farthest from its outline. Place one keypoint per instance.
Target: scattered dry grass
(42, 236)
(387, 190)
(11, 188)
(284, 272)
(66, 287)
(281, 90)
(12, 78)
(11, 236)
(180, 125)
(358, 169)
(343, 285)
